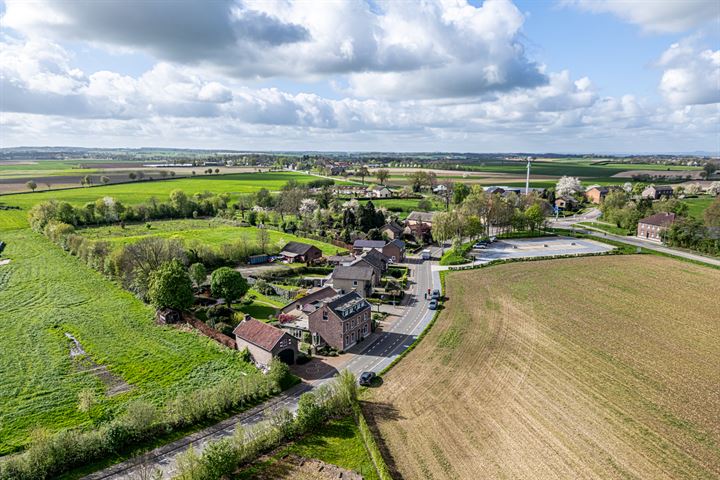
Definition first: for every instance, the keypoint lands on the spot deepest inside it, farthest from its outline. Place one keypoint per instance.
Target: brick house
(651, 228)
(340, 322)
(566, 202)
(391, 231)
(655, 192)
(596, 194)
(394, 250)
(264, 342)
(419, 225)
(359, 277)
(300, 252)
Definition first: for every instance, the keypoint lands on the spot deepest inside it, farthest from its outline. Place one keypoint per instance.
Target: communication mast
(527, 179)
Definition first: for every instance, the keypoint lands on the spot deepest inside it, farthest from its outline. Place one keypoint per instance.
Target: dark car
(435, 294)
(433, 304)
(366, 378)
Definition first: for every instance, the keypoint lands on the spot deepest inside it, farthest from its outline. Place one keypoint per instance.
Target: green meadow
(45, 293)
(209, 232)
(140, 192)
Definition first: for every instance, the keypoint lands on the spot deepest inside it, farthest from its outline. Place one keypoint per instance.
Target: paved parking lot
(538, 247)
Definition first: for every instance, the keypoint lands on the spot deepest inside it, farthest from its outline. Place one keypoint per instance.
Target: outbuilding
(265, 342)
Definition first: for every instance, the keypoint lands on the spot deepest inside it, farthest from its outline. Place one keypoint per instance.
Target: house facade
(651, 228)
(341, 322)
(655, 192)
(381, 192)
(391, 231)
(394, 250)
(596, 194)
(566, 202)
(359, 277)
(265, 342)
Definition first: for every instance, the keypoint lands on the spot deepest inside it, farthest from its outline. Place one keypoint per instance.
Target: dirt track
(605, 368)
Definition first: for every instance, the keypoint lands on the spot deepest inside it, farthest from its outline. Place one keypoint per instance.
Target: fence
(210, 332)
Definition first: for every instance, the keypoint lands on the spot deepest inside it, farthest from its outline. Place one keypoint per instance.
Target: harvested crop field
(577, 368)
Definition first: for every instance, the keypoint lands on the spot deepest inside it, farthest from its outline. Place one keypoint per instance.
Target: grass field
(544, 172)
(606, 227)
(339, 443)
(209, 232)
(45, 293)
(697, 206)
(139, 192)
(604, 368)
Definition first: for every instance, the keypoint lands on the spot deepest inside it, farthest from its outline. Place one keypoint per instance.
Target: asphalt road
(375, 357)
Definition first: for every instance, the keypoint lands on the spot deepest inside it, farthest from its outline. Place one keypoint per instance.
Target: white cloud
(437, 48)
(691, 76)
(656, 16)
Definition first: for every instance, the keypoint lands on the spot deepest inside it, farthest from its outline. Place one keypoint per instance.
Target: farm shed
(264, 342)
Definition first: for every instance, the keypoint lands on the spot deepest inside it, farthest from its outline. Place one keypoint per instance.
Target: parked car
(366, 378)
(493, 239)
(426, 254)
(480, 246)
(433, 304)
(435, 294)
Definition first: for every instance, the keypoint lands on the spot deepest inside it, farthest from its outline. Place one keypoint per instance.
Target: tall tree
(170, 286)
(31, 185)
(228, 284)
(382, 175)
(362, 172)
(197, 273)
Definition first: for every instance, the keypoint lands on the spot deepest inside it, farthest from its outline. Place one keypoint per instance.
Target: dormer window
(325, 315)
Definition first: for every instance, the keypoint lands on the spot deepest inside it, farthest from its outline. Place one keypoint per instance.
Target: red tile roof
(258, 333)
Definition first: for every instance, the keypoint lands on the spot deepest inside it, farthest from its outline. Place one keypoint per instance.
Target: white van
(426, 254)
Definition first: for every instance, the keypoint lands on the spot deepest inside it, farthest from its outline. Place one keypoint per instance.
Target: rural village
(360, 240)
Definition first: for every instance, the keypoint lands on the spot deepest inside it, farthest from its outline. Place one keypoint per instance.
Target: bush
(220, 313)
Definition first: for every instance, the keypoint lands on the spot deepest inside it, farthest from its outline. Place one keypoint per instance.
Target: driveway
(373, 355)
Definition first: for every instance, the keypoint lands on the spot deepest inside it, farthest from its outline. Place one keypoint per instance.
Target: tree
(132, 175)
(140, 174)
(105, 179)
(170, 286)
(263, 238)
(48, 185)
(172, 173)
(136, 261)
(708, 170)
(712, 214)
(86, 181)
(31, 185)
(460, 193)
(568, 186)
(534, 217)
(714, 188)
(163, 173)
(382, 175)
(197, 273)
(424, 205)
(362, 172)
(228, 284)
(217, 170)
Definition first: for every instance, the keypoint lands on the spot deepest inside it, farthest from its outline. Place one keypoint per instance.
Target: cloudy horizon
(494, 76)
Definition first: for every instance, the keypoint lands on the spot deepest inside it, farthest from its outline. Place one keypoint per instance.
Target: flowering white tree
(351, 204)
(568, 186)
(308, 206)
(714, 188)
(627, 186)
(693, 189)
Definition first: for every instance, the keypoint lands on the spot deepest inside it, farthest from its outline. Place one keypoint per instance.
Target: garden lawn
(338, 443)
(45, 293)
(211, 232)
(605, 227)
(697, 206)
(139, 192)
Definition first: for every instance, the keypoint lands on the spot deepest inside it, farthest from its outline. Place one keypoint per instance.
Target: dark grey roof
(297, 248)
(392, 226)
(353, 272)
(348, 305)
(399, 243)
(662, 187)
(375, 258)
(369, 244)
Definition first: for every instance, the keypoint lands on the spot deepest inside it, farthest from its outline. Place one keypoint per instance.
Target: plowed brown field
(573, 369)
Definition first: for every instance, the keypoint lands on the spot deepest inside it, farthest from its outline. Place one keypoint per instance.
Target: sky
(575, 76)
